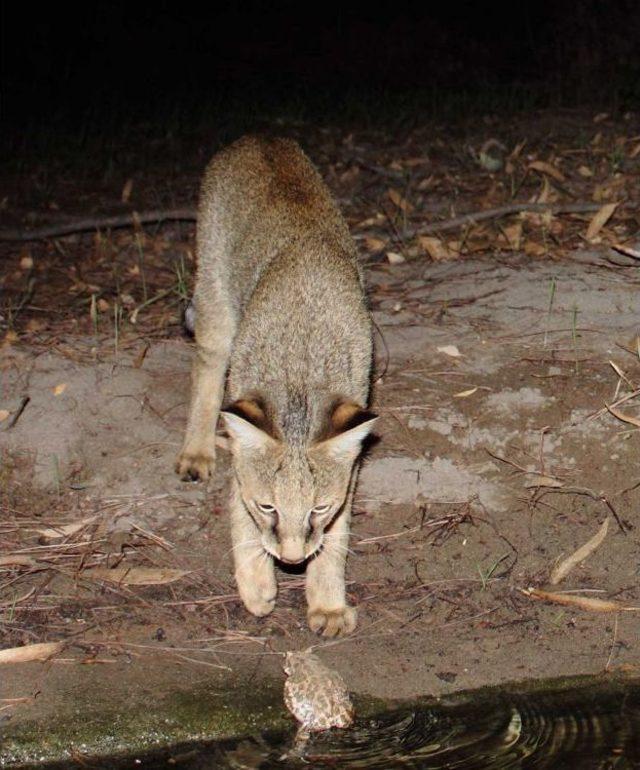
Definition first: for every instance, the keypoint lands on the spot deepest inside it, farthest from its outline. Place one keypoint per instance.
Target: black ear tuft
(254, 410)
(343, 416)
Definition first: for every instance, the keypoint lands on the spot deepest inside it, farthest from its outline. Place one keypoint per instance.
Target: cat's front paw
(195, 466)
(335, 622)
(258, 590)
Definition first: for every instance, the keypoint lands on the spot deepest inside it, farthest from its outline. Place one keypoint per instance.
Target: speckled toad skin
(314, 694)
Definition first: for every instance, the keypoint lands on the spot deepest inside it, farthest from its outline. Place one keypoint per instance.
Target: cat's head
(293, 490)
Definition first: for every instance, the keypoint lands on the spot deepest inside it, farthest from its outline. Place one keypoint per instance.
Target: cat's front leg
(328, 611)
(254, 568)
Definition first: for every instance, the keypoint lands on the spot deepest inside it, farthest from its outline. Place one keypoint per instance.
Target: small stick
(18, 413)
(99, 223)
(474, 217)
(566, 565)
(583, 602)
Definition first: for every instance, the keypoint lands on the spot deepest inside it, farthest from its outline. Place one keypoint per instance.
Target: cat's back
(260, 197)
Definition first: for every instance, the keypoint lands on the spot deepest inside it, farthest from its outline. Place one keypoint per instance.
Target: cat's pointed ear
(248, 426)
(348, 425)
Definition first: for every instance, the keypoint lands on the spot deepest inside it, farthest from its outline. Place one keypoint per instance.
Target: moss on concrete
(92, 729)
(98, 729)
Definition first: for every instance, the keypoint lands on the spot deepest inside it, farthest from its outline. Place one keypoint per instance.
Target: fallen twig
(566, 565)
(99, 223)
(623, 417)
(634, 253)
(474, 217)
(583, 602)
(29, 652)
(18, 413)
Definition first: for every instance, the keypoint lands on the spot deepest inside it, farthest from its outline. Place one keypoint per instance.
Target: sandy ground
(495, 460)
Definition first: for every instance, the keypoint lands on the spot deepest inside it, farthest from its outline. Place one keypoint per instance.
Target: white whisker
(252, 541)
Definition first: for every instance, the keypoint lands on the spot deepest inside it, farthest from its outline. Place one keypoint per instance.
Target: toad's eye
(265, 508)
(320, 509)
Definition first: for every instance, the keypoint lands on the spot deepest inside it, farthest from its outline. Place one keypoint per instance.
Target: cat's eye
(266, 508)
(320, 509)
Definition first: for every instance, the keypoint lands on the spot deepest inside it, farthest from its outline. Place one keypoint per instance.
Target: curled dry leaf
(59, 388)
(397, 199)
(4, 414)
(435, 248)
(394, 258)
(582, 602)
(465, 393)
(135, 576)
(30, 652)
(599, 220)
(562, 569)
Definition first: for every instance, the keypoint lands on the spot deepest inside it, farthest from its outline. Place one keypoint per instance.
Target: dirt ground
(497, 458)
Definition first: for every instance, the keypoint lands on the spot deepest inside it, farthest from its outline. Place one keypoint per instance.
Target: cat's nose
(291, 551)
(290, 561)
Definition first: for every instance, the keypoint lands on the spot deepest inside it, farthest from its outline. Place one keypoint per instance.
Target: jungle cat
(280, 306)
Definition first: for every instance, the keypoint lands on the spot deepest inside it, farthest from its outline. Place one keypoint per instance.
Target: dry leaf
(427, 183)
(583, 602)
(585, 171)
(397, 199)
(395, 258)
(635, 152)
(4, 414)
(610, 189)
(26, 263)
(103, 305)
(30, 652)
(562, 569)
(434, 247)
(65, 530)
(624, 417)
(449, 350)
(135, 576)
(374, 244)
(413, 162)
(534, 249)
(544, 481)
(126, 191)
(465, 393)
(59, 388)
(600, 219)
(513, 234)
(548, 169)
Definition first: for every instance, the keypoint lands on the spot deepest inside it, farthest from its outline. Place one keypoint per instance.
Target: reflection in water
(581, 729)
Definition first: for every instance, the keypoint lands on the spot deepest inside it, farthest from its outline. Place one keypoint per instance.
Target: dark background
(64, 62)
